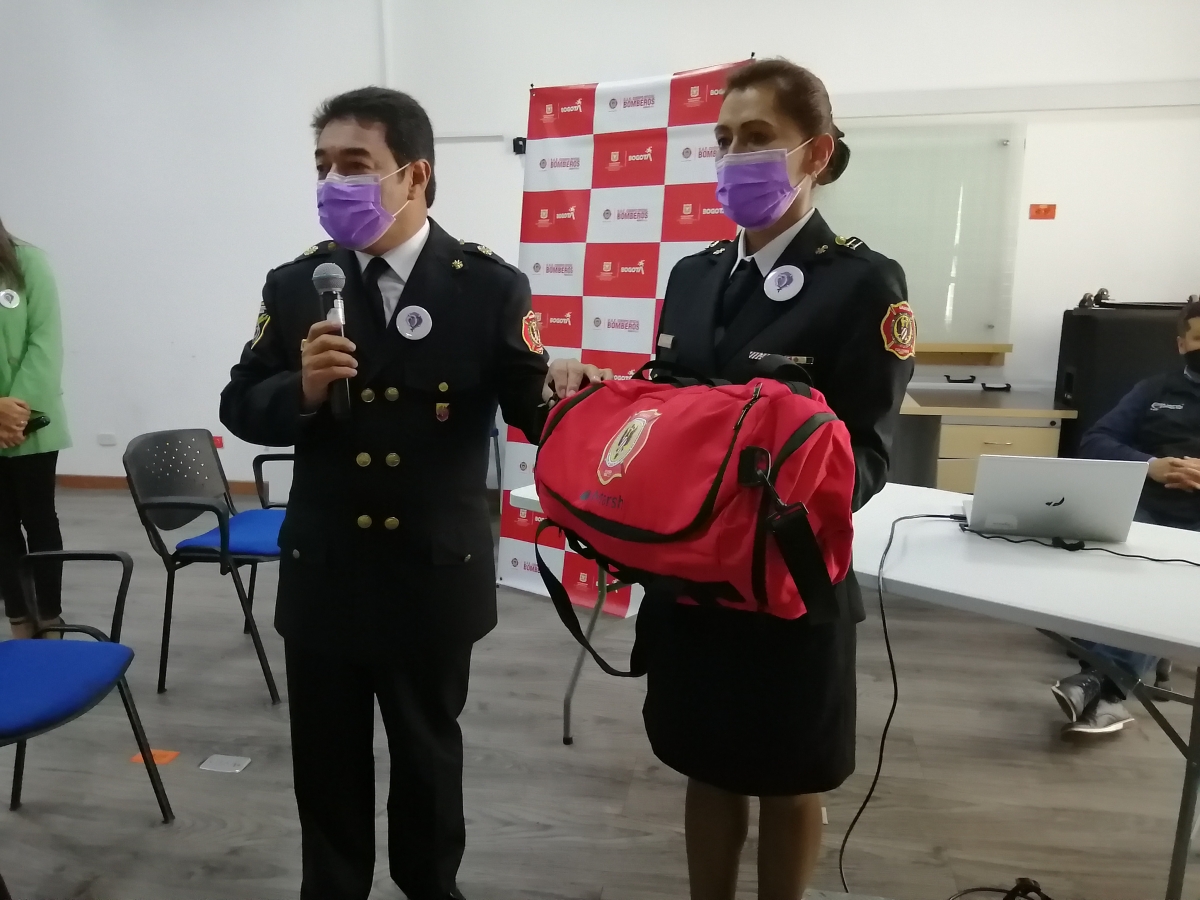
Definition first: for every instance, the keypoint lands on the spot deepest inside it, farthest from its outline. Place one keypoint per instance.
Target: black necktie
(375, 268)
(737, 289)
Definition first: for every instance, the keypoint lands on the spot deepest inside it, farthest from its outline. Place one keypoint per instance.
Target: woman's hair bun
(838, 161)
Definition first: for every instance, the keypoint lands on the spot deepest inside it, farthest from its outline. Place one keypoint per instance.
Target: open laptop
(1073, 499)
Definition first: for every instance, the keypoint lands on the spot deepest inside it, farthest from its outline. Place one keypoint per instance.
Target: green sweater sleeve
(38, 380)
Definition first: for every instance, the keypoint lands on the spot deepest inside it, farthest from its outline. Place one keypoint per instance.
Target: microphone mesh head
(328, 277)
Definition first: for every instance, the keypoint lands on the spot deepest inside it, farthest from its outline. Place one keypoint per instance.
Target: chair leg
(139, 735)
(18, 776)
(250, 594)
(4, 894)
(254, 636)
(166, 633)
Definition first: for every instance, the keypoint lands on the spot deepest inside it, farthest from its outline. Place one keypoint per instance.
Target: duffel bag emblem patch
(626, 444)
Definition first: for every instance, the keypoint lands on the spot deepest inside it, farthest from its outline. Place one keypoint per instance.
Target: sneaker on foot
(1102, 717)
(1077, 692)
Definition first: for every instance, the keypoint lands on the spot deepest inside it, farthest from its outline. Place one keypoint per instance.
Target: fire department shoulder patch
(899, 330)
(260, 324)
(530, 332)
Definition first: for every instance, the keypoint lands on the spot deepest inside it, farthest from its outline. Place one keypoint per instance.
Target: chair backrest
(181, 463)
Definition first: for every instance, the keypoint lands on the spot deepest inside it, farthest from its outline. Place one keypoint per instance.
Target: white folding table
(1138, 605)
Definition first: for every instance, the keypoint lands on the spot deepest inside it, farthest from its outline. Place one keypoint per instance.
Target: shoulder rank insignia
(899, 330)
(324, 245)
(718, 251)
(486, 252)
(850, 243)
(456, 264)
(822, 248)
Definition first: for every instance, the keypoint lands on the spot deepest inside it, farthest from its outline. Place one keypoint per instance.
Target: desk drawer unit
(962, 445)
(972, 441)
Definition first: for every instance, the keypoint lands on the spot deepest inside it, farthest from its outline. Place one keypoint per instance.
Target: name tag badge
(756, 355)
(665, 341)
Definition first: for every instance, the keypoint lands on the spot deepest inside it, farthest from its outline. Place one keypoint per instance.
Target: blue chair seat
(47, 681)
(254, 532)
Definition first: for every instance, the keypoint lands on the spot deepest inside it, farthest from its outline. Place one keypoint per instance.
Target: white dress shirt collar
(769, 254)
(402, 257)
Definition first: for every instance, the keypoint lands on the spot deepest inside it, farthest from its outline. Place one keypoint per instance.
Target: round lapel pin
(10, 299)
(414, 322)
(783, 283)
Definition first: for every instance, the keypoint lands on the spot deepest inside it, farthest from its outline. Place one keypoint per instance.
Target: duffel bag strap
(566, 611)
(798, 545)
(792, 532)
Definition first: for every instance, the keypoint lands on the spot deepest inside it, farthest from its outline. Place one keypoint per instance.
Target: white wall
(160, 151)
(472, 61)
(1127, 187)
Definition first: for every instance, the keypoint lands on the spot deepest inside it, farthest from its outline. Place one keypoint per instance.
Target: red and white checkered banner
(620, 184)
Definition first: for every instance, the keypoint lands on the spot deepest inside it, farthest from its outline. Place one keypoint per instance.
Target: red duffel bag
(736, 494)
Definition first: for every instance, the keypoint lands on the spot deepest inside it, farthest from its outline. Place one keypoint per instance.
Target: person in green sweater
(31, 357)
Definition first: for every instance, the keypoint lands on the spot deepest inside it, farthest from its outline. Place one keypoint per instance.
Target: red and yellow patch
(530, 332)
(626, 444)
(899, 330)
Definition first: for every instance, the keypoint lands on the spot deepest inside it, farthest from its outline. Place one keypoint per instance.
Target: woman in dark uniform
(745, 704)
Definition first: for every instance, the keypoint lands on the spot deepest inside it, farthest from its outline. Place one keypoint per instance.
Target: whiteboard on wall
(942, 200)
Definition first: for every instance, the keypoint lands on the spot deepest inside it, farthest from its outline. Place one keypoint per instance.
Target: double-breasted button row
(364, 459)
(391, 394)
(391, 523)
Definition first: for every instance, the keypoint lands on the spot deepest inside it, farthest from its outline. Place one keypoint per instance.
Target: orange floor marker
(161, 757)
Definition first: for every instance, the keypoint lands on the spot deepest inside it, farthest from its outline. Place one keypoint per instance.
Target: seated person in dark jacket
(1159, 422)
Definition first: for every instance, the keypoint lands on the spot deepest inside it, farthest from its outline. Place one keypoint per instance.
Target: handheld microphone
(329, 279)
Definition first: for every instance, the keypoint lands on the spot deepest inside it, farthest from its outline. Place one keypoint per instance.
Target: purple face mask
(754, 188)
(351, 211)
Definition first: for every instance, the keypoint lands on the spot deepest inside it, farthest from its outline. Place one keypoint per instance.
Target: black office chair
(175, 477)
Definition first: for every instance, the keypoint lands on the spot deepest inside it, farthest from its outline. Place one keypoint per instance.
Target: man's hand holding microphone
(325, 357)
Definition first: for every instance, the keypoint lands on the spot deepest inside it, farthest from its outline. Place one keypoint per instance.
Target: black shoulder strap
(566, 612)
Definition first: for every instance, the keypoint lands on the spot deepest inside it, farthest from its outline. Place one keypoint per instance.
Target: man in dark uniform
(1156, 422)
(387, 575)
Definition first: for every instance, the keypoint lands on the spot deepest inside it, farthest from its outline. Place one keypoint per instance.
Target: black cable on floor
(978, 890)
(887, 640)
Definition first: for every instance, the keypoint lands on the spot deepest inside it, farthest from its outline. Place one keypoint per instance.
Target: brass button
(393, 459)
(392, 394)
(443, 387)
(368, 395)
(364, 521)
(391, 523)
(363, 459)
(295, 554)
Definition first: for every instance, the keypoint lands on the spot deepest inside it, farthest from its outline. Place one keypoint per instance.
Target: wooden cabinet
(971, 441)
(968, 424)
(962, 445)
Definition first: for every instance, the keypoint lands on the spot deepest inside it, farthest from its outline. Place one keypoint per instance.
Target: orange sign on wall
(1042, 210)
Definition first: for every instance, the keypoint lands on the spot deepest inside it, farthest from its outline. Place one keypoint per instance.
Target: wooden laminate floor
(978, 787)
